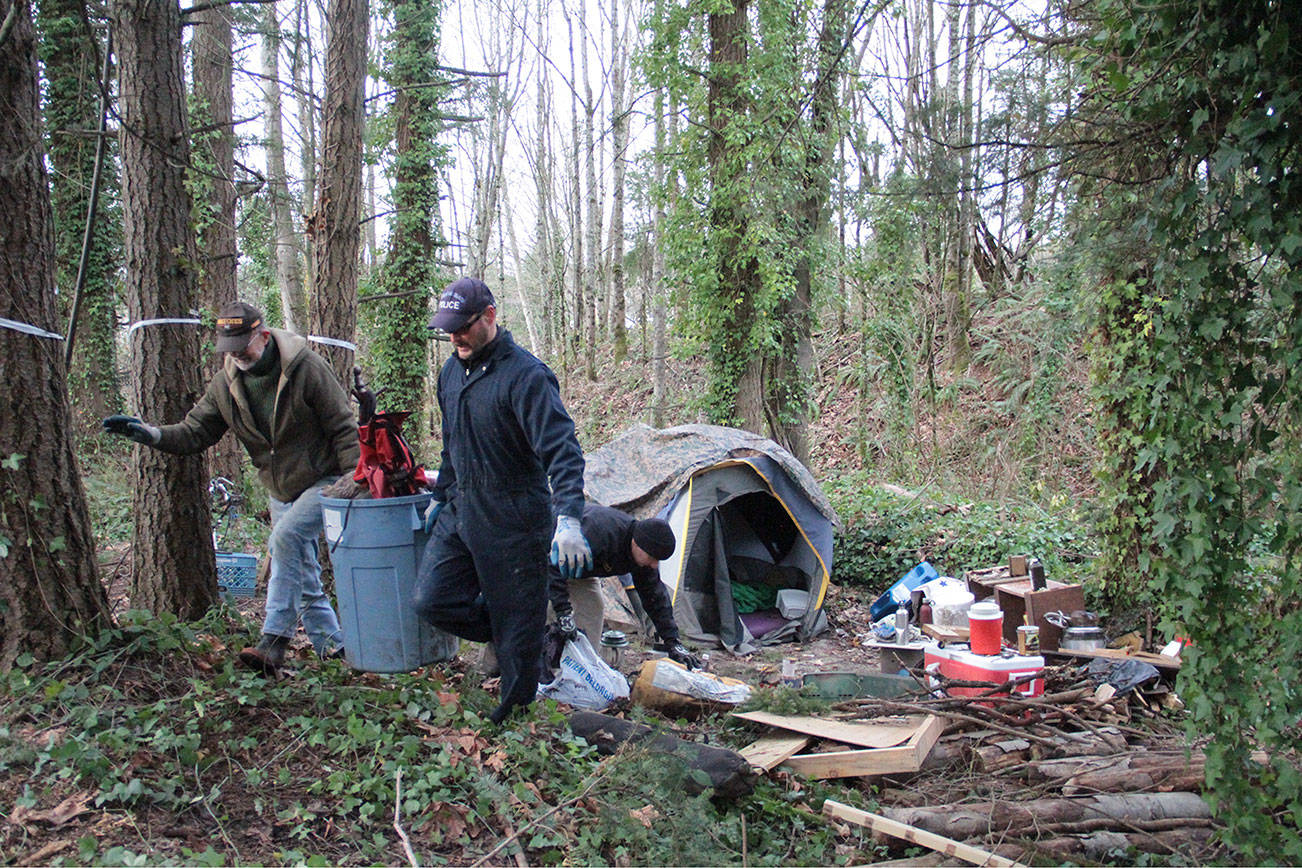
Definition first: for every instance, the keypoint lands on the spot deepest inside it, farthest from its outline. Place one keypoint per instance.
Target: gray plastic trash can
(375, 547)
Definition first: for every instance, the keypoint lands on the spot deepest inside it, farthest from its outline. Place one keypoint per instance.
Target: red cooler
(959, 663)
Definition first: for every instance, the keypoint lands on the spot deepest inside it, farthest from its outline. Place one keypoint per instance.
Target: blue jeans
(294, 587)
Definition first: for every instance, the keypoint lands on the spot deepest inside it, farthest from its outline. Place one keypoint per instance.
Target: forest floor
(989, 764)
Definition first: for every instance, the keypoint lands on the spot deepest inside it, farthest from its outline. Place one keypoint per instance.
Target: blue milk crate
(237, 574)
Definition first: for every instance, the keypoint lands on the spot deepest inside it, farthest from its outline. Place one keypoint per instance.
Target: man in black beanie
(620, 545)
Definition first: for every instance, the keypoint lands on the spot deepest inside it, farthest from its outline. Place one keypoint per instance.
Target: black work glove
(679, 654)
(130, 426)
(565, 627)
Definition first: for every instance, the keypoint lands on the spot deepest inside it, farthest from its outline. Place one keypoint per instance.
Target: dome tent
(749, 521)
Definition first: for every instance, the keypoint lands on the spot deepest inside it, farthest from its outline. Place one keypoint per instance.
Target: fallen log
(1001, 754)
(980, 819)
(729, 773)
(1133, 773)
(1103, 846)
(1102, 824)
(945, 755)
(1013, 753)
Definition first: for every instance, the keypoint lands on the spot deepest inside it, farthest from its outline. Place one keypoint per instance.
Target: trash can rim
(372, 502)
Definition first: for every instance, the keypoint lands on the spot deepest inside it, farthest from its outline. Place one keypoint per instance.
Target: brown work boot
(267, 656)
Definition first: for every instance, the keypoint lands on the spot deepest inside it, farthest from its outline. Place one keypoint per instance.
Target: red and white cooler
(960, 663)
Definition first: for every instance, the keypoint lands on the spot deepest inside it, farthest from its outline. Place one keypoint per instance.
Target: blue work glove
(432, 514)
(570, 550)
(130, 426)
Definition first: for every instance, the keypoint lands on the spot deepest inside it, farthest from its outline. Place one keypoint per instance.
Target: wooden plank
(854, 763)
(861, 734)
(1158, 660)
(769, 752)
(914, 835)
(878, 761)
(947, 634)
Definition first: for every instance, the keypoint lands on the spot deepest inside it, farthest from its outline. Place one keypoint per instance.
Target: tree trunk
(959, 305)
(336, 237)
(550, 278)
(788, 403)
(659, 343)
(49, 586)
(576, 207)
(526, 308)
(409, 272)
(173, 568)
(287, 250)
(214, 174)
(619, 139)
(592, 274)
(72, 59)
(305, 88)
(737, 382)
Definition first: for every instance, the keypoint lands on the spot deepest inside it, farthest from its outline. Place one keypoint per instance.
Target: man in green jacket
(284, 404)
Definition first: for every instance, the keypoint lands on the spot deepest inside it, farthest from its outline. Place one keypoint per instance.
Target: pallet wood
(1169, 664)
(862, 734)
(907, 758)
(770, 751)
(895, 829)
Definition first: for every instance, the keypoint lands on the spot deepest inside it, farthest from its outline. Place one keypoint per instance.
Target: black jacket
(610, 534)
(505, 428)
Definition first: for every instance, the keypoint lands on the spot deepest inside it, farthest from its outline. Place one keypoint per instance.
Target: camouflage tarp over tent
(749, 519)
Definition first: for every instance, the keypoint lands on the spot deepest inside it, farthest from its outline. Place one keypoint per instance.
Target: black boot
(268, 656)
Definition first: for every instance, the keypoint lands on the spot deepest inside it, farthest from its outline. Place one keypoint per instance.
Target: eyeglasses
(468, 323)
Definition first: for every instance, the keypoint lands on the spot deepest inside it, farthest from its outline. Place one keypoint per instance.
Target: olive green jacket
(313, 432)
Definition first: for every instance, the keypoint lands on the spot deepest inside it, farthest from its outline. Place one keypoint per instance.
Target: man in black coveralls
(510, 460)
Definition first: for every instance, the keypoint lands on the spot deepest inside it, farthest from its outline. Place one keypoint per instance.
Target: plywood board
(862, 734)
(770, 751)
(879, 761)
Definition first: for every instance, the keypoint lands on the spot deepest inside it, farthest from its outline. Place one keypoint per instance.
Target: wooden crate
(1022, 605)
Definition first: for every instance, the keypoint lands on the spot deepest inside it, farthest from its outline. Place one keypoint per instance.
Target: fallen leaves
(67, 810)
(646, 815)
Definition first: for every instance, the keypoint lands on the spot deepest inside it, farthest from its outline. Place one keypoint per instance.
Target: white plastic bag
(583, 679)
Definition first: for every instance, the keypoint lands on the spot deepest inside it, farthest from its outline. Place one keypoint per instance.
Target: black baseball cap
(236, 325)
(460, 302)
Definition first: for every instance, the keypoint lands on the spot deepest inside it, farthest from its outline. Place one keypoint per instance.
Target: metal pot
(1082, 639)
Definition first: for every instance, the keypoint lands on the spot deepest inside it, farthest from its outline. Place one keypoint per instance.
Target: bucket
(376, 547)
(950, 600)
(986, 623)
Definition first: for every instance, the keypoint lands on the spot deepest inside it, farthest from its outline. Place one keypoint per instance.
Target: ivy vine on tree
(1199, 349)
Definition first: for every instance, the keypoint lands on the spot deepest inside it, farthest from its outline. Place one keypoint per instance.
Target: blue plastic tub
(376, 547)
(900, 591)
